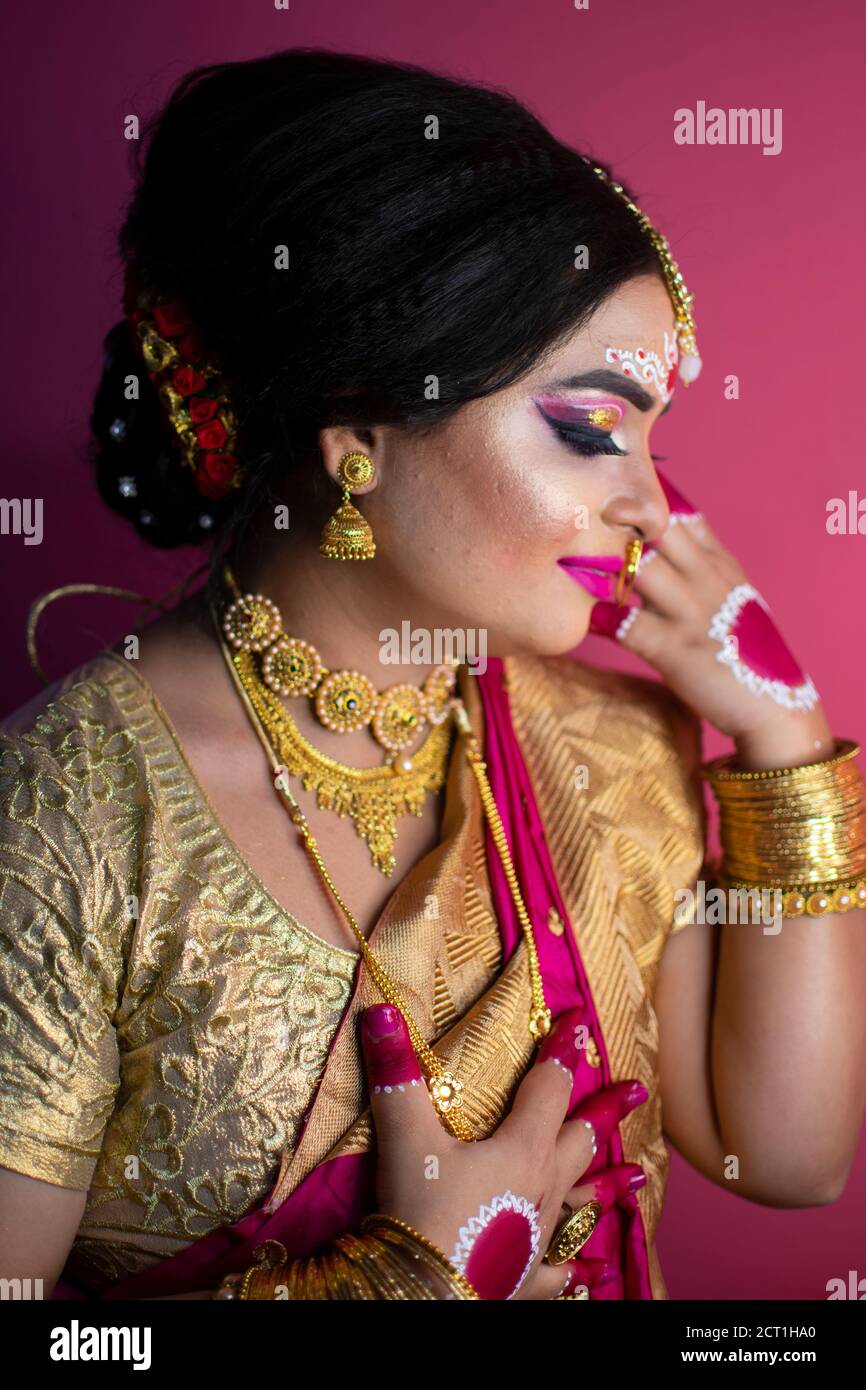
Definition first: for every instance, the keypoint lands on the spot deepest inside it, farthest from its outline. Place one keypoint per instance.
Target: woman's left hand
(708, 633)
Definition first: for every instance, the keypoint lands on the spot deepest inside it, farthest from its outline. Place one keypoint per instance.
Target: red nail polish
(607, 1108)
(605, 618)
(380, 1020)
(635, 1181)
(566, 1041)
(390, 1056)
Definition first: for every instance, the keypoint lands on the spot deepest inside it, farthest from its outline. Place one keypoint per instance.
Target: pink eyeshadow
(601, 414)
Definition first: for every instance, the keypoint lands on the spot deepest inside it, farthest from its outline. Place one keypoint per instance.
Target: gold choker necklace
(345, 701)
(270, 663)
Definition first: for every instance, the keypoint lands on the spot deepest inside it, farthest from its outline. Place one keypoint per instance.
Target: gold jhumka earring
(347, 535)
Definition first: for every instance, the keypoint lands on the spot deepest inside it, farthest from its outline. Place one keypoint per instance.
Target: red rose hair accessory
(189, 385)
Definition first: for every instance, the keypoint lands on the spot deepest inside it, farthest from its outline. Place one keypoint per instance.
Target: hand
(539, 1153)
(711, 638)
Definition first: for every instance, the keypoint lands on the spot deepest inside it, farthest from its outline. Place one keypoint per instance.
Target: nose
(644, 510)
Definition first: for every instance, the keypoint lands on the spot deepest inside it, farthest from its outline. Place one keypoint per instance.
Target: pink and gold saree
(594, 777)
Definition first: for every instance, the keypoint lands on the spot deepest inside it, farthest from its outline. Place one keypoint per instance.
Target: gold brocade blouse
(164, 1022)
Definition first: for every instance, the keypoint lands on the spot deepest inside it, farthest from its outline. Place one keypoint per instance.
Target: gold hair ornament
(690, 359)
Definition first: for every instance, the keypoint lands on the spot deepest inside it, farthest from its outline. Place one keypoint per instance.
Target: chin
(558, 642)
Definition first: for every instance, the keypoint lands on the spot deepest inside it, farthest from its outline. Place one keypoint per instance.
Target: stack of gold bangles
(798, 830)
(388, 1260)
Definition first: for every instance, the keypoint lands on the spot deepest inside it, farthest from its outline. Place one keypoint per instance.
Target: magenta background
(771, 246)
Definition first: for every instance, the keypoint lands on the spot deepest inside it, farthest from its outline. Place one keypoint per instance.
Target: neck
(341, 607)
(345, 608)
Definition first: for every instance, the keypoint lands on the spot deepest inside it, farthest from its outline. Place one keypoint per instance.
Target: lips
(595, 573)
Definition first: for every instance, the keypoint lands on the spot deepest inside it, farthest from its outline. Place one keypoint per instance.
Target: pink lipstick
(595, 573)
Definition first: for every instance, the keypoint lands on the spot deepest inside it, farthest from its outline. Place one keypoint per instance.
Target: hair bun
(138, 471)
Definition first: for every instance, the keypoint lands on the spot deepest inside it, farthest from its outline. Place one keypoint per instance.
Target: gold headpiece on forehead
(690, 359)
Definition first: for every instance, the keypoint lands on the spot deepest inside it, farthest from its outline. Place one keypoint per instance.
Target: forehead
(638, 314)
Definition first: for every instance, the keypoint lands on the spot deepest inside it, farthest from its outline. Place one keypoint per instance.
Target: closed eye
(583, 440)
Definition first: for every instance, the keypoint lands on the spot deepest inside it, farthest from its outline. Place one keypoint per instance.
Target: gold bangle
(420, 1248)
(722, 769)
(411, 1280)
(358, 1266)
(414, 1257)
(806, 899)
(383, 1265)
(801, 830)
(369, 1253)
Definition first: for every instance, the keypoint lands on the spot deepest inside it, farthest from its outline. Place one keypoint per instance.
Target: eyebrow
(616, 382)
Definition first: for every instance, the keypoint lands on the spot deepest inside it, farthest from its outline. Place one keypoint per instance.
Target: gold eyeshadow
(600, 415)
(604, 417)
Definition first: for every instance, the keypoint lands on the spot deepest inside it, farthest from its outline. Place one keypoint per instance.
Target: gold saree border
(620, 845)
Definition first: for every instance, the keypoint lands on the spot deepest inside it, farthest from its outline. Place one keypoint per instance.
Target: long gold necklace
(446, 1090)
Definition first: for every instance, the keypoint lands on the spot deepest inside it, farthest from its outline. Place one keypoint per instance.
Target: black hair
(431, 226)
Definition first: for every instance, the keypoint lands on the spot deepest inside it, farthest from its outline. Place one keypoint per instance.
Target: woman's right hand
(437, 1183)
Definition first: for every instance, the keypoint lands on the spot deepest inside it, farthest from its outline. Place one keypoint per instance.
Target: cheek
(527, 508)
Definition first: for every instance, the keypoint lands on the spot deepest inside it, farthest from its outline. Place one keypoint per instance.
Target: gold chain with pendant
(446, 1090)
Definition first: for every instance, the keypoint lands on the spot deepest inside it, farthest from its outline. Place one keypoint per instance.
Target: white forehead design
(646, 366)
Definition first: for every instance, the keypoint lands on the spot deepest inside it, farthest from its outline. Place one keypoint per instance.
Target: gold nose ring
(625, 578)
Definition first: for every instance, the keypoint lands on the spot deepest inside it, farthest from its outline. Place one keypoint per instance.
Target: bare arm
(38, 1223)
(748, 1044)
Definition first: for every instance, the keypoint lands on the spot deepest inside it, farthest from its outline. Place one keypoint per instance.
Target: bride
(326, 974)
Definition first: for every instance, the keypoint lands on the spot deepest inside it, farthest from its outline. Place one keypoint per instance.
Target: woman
(421, 1038)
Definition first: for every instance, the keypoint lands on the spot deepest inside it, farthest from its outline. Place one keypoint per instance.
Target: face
(514, 516)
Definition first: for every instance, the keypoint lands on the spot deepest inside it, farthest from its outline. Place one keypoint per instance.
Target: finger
(638, 629)
(599, 1114)
(684, 515)
(544, 1095)
(679, 504)
(606, 618)
(552, 1281)
(647, 634)
(399, 1098)
(668, 583)
(607, 1187)
(690, 548)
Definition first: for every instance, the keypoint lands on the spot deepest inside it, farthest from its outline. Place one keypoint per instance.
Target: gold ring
(573, 1234)
(625, 578)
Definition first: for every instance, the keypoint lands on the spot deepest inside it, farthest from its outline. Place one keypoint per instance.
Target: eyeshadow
(603, 415)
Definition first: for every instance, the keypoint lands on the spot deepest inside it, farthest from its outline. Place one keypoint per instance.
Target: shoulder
(636, 718)
(73, 781)
(94, 684)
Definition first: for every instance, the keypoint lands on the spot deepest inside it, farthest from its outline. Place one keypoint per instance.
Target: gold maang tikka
(347, 535)
(690, 359)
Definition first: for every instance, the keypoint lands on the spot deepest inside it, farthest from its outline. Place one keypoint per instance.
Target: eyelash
(587, 443)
